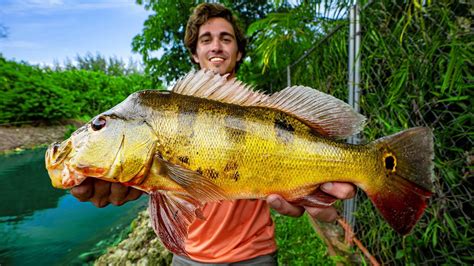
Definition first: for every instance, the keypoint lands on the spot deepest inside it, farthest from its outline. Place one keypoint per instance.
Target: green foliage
(111, 66)
(30, 93)
(281, 39)
(417, 70)
(298, 243)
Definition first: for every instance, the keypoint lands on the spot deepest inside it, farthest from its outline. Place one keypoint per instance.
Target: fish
(210, 138)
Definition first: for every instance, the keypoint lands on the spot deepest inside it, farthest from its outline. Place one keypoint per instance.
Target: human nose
(216, 45)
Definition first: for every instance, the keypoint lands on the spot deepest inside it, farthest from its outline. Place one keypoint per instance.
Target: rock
(141, 247)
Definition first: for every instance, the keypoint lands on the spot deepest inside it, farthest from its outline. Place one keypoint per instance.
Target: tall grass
(298, 243)
(416, 71)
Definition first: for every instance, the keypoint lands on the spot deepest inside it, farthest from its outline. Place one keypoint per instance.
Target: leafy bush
(30, 93)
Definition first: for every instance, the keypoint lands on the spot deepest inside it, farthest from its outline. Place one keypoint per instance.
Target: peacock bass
(212, 139)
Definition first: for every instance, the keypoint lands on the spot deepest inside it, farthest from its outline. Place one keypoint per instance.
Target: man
(241, 231)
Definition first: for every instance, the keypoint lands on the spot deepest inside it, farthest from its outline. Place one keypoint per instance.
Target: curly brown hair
(202, 13)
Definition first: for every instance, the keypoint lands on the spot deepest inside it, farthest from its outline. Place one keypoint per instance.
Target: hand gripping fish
(212, 139)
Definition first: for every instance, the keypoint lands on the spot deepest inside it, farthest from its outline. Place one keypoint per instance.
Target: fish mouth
(57, 159)
(57, 153)
(57, 162)
(66, 173)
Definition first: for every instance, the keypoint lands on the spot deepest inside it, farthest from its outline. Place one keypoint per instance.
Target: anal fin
(171, 213)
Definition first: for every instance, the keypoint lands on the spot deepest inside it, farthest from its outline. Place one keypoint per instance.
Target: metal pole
(354, 93)
(288, 76)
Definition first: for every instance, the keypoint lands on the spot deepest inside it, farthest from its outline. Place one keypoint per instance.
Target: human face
(216, 47)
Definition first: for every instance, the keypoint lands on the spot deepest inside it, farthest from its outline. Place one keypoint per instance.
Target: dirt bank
(26, 136)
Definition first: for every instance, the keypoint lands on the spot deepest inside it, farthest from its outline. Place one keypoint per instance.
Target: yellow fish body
(211, 139)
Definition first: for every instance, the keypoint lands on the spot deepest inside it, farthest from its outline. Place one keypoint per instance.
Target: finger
(134, 194)
(323, 214)
(84, 191)
(118, 194)
(280, 205)
(101, 193)
(339, 190)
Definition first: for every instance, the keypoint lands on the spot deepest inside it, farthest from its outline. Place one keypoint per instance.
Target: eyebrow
(221, 34)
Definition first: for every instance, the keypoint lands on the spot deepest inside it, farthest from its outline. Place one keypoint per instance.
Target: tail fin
(406, 184)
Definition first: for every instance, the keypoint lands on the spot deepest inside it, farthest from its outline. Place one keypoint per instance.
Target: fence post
(354, 92)
(288, 75)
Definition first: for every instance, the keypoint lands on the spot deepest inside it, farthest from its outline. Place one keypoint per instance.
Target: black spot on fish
(199, 171)
(230, 166)
(236, 176)
(283, 129)
(235, 126)
(211, 173)
(184, 159)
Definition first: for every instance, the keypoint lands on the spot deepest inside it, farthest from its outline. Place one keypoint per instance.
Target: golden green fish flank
(213, 139)
(238, 147)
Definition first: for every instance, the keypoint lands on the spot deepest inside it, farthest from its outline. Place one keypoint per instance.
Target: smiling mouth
(216, 59)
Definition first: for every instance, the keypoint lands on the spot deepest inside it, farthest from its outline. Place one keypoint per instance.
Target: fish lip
(56, 161)
(57, 153)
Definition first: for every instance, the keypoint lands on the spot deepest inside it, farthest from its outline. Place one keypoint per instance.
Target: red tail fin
(406, 179)
(401, 203)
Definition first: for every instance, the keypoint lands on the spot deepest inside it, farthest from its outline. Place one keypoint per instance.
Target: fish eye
(98, 123)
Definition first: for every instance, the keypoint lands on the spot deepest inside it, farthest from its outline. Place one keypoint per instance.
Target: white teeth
(216, 59)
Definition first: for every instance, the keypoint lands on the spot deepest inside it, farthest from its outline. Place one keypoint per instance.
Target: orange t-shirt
(233, 231)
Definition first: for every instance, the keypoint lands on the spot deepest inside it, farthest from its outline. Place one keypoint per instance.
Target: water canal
(40, 225)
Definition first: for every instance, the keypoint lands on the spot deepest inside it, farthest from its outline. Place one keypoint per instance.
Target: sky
(44, 31)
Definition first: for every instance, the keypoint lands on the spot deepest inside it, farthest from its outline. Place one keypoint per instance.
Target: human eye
(227, 39)
(205, 39)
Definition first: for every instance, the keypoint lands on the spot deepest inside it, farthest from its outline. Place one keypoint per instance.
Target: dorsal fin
(324, 113)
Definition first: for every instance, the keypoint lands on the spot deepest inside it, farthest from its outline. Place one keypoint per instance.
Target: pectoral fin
(193, 182)
(171, 213)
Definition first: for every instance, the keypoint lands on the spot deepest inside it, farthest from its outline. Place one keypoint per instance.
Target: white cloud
(18, 45)
(52, 6)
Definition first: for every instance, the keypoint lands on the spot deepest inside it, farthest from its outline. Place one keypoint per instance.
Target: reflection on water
(40, 225)
(24, 185)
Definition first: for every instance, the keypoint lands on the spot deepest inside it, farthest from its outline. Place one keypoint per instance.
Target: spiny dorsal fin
(210, 85)
(324, 113)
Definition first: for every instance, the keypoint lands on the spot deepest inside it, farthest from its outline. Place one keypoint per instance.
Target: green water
(40, 225)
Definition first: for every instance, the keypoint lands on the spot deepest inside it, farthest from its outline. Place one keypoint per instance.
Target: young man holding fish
(239, 231)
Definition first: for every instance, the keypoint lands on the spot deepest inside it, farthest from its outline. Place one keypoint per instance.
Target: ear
(239, 56)
(196, 59)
